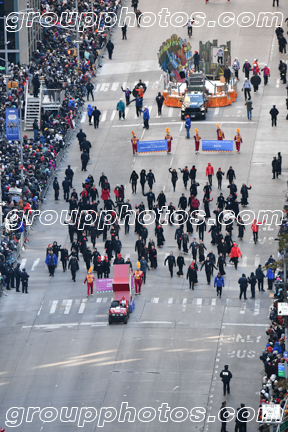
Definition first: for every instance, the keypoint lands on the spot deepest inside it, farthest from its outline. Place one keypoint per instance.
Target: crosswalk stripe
(184, 302)
(257, 261)
(150, 110)
(170, 300)
(199, 301)
(213, 302)
(104, 300)
(124, 85)
(113, 115)
(82, 306)
(243, 263)
(83, 118)
(147, 83)
(67, 304)
(115, 86)
(155, 300)
(54, 306)
(36, 262)
(170, 112)
(104, 115)
(126, 112)
(105, 87)
(23, 263)
(257, 307)
(99, 300)
(97, 87)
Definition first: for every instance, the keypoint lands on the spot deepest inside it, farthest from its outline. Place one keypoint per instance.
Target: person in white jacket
(236, 67)
(247, 89)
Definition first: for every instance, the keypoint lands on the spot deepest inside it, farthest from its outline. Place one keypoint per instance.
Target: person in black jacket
(174, 177)
(150, 198)
(178, 236)
(73, 266)
(208, 269)
(133, 180)
(243, 282)
(17, 275)
(159, 101)
(260, 277)
(171, 263)
(252, 281)
(274, 113)
(84, 159)
(150, 179)
(223, 416)
(227, 75)
(24, 279)
(219, 175)
(186, 176)
(275, 169)
(230, 175)
(69, 173)
(192, 275)
(226, 376)
(56, 188)
(182, 202)
(66, 188)
(110, 48)
(96, 114)
(90, 88)
(180, 264)
(64, 258)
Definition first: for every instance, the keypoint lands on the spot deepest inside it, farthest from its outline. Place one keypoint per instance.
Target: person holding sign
(220, 133)
(169, 139)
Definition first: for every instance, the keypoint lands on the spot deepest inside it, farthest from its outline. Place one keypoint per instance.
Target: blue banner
(12, 124)
(152, 146)
(217, 146)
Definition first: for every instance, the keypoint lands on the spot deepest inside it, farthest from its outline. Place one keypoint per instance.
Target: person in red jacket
(255, 228)
(197, 139)
(266, 74)
(210, 173)
(238, 140)
(234, 255)
(220, 133)
(169, 139)
(89, 279)
(105, 195)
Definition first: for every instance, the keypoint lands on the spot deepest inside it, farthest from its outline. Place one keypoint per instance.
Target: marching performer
(220, 133)
(89, 279)
(134, 141)
(238, 140)
(169, 139)
(138, 276)
(197, 139)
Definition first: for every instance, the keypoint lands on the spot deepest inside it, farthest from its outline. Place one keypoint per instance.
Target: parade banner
(152, 146)
(106, 285)
(217, 146)
(12, 124)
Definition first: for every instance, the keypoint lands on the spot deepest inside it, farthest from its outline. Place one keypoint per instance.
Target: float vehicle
(123, 303)
(195, 105)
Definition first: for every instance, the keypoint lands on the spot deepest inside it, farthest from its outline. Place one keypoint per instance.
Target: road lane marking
(67, 304)
(82, 306)
(54, 306)
(36, 262)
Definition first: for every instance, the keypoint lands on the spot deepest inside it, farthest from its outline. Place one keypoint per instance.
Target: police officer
(84, 159)
(171, 263)
(226, 376)
(17, 275)
(242, 418)
(56, 188)
(243, 282)
(24, 279)
(275, 167)
(223, 416)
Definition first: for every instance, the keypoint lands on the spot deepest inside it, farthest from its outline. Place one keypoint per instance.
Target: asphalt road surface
(57, 349)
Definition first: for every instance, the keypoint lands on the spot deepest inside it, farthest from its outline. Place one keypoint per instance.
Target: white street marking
(53, 307)
(67, 304)
(82, 306)
(36, 262)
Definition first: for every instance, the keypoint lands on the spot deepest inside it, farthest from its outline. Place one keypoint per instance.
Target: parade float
(176, 60)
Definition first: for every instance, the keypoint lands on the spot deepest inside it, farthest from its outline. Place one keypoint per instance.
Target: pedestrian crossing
(80, 305)
(116, 86)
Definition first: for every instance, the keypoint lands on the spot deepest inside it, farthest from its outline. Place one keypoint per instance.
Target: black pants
(255, 236)
(219, 183)
(124, 35)
(235, 261)
(64, 265)
(270, 284)
(96, 122)
(226, 386)
(260, 284)
(146, 123)
(243, 292)
(110, 54)
(265, 79)
(90, 118)
(275, 172)
(122, 114)
(223, 426)
(134, 187)
(237, 73)
(196, 67)
(201, 234)
(191, 284)
(274, 121)
(138, 111)
(127, 226)
(247, 92)
(56, 194)
(84, 165)
(277, 1)
(66, 195)
(210, 179)
(88, 93)
(208, 277)
(144, 277)
(73, 273)
(174, 184)
(190, 31)
(253, 291)
(150, 205)
(171, 270)
(17, 283)
(51, 269)
(159, 109)
(25, 287)
(179, 241)
(219, 292)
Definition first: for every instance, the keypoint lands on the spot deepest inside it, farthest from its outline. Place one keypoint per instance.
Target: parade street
(58, 349)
